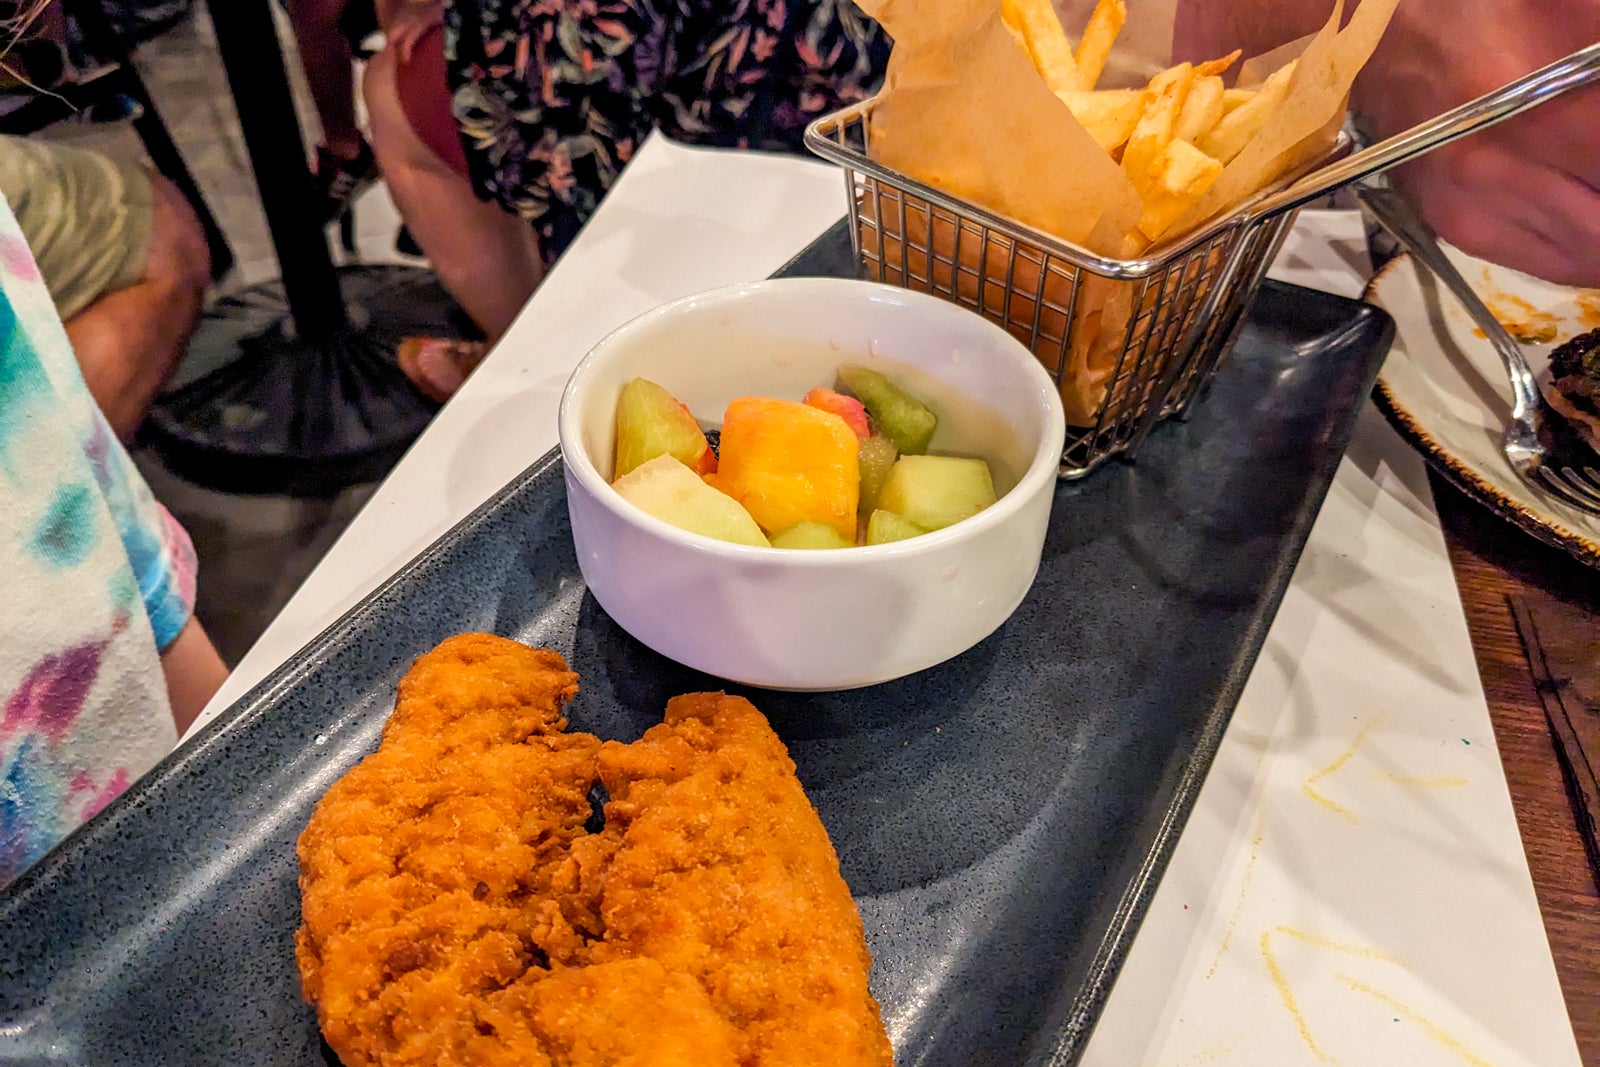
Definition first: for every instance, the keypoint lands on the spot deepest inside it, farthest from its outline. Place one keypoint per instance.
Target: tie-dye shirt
(95, 577)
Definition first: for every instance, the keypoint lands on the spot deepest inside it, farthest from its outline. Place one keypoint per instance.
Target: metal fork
(1571, 479)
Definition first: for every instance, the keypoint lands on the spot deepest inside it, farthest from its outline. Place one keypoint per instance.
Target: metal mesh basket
(1128, 341)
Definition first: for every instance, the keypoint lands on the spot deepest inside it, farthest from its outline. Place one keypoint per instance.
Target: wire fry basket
(1127, 341)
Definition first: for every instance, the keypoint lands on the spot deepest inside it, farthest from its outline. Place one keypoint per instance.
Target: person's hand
(411, 21)
(1524, 193)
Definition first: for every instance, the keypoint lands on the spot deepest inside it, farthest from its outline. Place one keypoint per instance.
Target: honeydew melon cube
(902, 417)
(811, 535)
(886, 526)
(673, 493)
(650, 423)
(876, 459)
(937, 491)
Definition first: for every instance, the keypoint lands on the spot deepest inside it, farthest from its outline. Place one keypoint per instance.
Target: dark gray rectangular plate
(1002, 818)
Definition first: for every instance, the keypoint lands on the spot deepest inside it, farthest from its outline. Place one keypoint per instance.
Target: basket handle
(1513, 98)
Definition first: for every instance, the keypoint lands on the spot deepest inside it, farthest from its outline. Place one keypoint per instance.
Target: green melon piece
(886, 526)
(651, 423)
(936, 491)
(810, 535)
(876, 457)
(673, 493)
(902, 417)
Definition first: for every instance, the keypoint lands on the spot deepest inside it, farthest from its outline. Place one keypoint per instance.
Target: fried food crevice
(458, 910)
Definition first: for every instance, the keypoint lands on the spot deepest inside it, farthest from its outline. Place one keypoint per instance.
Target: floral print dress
(553, 96)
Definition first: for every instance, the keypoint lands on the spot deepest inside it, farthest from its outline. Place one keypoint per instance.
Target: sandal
(438, 365)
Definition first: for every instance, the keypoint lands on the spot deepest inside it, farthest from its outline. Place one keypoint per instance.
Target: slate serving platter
(1002, 819)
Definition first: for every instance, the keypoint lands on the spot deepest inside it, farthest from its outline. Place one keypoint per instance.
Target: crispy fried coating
(458, 911)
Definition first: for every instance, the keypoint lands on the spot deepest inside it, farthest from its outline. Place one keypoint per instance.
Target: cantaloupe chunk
(789, 463)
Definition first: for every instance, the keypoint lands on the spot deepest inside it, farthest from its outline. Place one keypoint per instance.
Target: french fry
(1233, 98)
(1164, 99)
(1229, 136)
(1021, 130)
(1175, 181)
(1098, 37)
(1100, 335)
(1211, 68)
(1035, 25)
(1108, 114)
(1201, 110)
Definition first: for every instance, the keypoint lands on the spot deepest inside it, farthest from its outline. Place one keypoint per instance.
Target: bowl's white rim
(1043, 468)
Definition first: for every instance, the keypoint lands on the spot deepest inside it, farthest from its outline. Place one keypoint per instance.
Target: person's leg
(325, 55)
(124, 259)
(486, 258)
(129, 340)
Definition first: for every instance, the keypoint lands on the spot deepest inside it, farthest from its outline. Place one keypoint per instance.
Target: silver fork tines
(1573, 481)
(1584, 485)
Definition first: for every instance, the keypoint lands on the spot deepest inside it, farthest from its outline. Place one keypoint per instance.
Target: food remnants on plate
(1572, 385)
(466, 899)
(835, 469)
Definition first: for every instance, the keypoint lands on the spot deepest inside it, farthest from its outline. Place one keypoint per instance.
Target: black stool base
(271, 412)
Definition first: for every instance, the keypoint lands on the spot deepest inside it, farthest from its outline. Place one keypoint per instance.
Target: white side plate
(1444, 389)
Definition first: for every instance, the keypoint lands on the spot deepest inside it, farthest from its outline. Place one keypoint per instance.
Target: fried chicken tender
(459, 906)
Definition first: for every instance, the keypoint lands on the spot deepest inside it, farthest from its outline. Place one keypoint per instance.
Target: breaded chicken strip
(457, 911)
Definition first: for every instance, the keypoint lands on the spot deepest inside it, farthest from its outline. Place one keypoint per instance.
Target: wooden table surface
(1493, 560)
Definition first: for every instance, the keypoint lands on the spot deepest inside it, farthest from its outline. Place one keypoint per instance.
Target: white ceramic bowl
(818, 619)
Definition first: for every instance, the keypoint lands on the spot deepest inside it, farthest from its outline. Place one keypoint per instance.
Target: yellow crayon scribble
(1442, 781)
(1287, 996)
(1212, 1053)
(1428, 1026)
(1244, 892)
(1281, 983)
(1318, 941)
(1344, 757)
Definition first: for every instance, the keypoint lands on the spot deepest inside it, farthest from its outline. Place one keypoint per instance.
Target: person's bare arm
(1204, 29)
(1525, 193)
(194, 673)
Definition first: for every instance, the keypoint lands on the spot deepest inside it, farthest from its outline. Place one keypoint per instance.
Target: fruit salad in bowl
(810, 483)
(829, 471)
